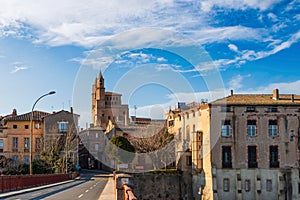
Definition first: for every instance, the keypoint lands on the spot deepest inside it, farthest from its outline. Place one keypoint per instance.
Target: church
(107, 106)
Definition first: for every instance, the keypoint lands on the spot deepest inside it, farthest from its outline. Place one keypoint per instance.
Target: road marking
(87, 191)
(91, 188)
(80, 196)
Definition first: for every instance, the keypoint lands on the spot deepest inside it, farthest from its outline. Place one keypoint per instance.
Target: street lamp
(30, 139)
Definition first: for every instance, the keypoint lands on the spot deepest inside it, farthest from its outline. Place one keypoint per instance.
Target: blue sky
(153, 52)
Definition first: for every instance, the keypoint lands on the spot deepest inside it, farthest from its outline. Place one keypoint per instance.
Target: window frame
(251, 128)
(226, 161)
(226, 185)
(273, 128)
(63, 126)
(269, 189)
(247, 183)
(226, 128)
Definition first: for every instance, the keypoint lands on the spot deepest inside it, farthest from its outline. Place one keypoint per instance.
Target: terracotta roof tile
(258, 99)
(37, 115)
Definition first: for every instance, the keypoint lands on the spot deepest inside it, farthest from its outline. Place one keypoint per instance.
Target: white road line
(87, 191)
(80, 196)
(91, 188)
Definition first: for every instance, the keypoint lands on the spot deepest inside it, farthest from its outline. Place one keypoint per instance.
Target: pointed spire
(100, 75)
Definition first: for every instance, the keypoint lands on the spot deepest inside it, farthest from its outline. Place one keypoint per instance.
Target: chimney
(71, 110)
(231, 92)
(14, 112)
(293, 98)
(276, 94)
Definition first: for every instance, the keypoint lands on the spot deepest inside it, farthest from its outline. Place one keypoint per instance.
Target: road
(88, 187)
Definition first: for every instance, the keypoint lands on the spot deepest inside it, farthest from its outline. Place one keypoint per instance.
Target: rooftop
(37, 115)
(259, 99)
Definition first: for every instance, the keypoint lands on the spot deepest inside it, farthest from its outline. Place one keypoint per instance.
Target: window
(15, 144)
(26, 159)
(252, 158)
(274, 162)
(187, 115)
(269, 185)
(26, 126)
(250, 109)
(15, 126)
(194, 128)
(226, 185)
(225, 132)
(193, 113)
(225, 109)
(26, 144)
(62, 126)
(188, 133)
(171, 123)
(15, 160)
(188, 160)
(273, 131)
(97, 147)
(251, 128)
(272, 109)
(37, 144)
(247, 185)
(179, 134)
(37, 125)
(1, 145)
(226, 157)
(97, 135)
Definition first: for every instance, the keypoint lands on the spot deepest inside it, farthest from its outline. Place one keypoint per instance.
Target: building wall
(287, 120)
(20, 132)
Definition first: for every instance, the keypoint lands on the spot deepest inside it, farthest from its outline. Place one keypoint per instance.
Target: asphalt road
(88, 187)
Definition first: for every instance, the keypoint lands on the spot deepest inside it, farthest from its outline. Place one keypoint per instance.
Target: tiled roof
(37, 115)
(258, 99)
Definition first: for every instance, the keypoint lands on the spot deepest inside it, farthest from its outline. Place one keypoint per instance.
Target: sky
(155, 53)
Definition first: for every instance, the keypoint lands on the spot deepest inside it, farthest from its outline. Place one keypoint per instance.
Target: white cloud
(17, 69)
(284, 88)
(207, 5)
(233, 47)
(236, 82)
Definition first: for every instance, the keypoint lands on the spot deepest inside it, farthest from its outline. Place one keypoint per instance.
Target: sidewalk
(109, 191)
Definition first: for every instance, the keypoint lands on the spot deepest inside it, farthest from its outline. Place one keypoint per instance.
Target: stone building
(249, 147)
(107, 105)
(244, 146)
(183, 122)
(15, 135)
(92, 148)
(61, 130)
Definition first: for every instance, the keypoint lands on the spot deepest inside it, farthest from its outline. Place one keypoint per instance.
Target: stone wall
(163, 185)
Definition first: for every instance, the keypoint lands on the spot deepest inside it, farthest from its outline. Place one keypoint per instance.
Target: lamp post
(30, 139)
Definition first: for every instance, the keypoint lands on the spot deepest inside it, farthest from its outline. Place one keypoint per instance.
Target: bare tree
(157, 143)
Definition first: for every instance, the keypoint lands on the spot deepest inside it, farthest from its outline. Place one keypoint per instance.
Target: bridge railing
(15, 182)
(128, 194)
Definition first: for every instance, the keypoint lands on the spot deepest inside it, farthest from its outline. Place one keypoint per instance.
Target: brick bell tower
(98, 101)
